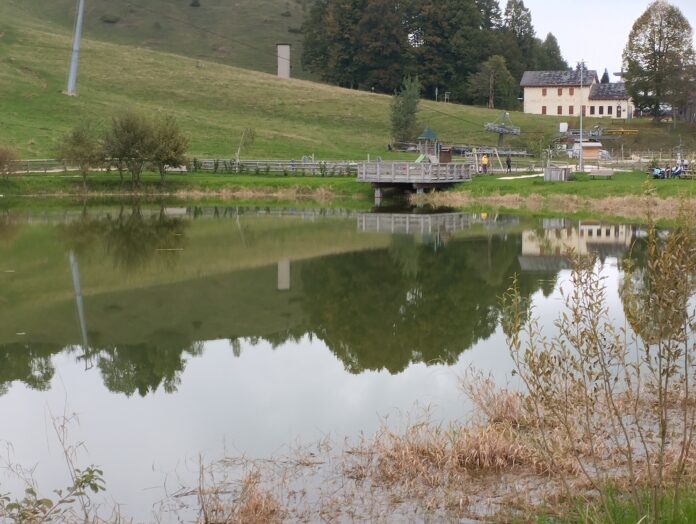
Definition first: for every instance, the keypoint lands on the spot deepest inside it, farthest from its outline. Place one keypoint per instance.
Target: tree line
(132, 141)
(469, 48)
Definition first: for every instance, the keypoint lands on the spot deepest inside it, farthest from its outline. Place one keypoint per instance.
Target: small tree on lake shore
(131, 140)
(170, 145)
(82, 147)
(404, 109)
(613, 403)
(8, 160)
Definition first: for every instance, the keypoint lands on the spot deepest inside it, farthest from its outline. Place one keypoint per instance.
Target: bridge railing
(411, 172)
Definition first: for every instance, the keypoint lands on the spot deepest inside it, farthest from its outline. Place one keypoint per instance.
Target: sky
(594, 30)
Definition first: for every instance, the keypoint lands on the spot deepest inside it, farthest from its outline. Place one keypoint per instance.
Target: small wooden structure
(556, 174)
(427, 143)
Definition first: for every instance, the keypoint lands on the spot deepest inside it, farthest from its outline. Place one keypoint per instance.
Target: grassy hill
(213, 102)
(242, 33)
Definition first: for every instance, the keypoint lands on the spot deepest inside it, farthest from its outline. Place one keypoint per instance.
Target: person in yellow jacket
(484, 164)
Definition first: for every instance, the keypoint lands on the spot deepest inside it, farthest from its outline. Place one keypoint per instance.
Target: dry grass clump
(255, 504)
(497, 405)
(434, 456)
(248, 502)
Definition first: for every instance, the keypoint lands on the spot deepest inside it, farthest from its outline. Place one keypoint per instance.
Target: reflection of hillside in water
(422, 297)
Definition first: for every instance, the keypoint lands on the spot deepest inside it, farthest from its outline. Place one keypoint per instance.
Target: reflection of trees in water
(648, 289)
(30, 364)
(8, 228)
(143, 368)
(379, 309)
(125, 369)
(131, 238)
(386, 309)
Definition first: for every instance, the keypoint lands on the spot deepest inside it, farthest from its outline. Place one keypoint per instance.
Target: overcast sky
(593, 30)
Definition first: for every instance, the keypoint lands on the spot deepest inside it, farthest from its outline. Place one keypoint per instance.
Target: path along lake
(174, 332)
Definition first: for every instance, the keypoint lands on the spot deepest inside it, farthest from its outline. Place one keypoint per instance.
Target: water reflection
(395, 290)
(130, 237)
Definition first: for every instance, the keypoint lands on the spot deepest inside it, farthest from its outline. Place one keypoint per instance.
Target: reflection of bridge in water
(427, 224)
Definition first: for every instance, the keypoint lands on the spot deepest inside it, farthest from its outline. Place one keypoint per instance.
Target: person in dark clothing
(508, 163)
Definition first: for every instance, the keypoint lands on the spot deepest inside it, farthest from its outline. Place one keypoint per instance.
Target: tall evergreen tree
(518, 20)
(493, 85)
(605, 77)
(404, 110)
(383, 52)
(657, 56)
(490, 14)
(448, 44)
(550, 57)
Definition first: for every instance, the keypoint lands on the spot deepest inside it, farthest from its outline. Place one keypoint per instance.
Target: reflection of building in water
(546, 249)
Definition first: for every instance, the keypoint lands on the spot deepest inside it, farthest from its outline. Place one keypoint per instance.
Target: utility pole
(77, 36)
(581, 164)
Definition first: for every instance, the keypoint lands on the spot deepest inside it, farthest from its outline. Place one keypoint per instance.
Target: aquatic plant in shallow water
(617, 402)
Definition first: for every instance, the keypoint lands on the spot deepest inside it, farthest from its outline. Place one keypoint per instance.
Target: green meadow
(214, 102)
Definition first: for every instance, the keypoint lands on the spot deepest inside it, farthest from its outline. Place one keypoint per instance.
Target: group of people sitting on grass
(670, 172)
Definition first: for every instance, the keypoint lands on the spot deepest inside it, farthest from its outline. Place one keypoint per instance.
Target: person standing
(508, 163)
(484, 163)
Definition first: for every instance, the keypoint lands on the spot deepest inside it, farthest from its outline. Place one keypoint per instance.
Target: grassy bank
(629, 195)
(214, 102)
(198, 186)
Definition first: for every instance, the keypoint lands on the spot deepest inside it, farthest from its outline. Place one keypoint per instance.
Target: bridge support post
(378, 196)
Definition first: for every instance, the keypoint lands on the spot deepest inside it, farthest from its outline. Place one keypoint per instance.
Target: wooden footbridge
(412, 176)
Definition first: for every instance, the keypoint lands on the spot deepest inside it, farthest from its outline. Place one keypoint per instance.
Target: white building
(564, 93)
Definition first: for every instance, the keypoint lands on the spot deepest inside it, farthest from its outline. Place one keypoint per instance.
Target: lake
(178, 332)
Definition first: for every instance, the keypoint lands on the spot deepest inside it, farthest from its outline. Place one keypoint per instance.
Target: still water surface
(174, 332)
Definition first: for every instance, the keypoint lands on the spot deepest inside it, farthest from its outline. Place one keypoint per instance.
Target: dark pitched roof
(556, 78)
(615, 91)
(428, 134)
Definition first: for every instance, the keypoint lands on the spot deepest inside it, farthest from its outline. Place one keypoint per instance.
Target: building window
(543, 91)
(571, 110)
(571, 91)
(543, 110)
(609, 110)
(591, 110)
(559, 110)
(601, 110)
(560, 91)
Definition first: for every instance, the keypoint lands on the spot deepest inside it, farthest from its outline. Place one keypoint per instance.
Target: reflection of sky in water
(372, 302)
(256, 404)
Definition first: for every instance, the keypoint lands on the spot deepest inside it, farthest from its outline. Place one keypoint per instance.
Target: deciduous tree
(8, 160)
(131, 140)
(658, 53)
(82, 147)
(170, 145)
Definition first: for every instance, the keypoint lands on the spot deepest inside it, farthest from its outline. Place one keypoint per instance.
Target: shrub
(110, 18)
(8, 160)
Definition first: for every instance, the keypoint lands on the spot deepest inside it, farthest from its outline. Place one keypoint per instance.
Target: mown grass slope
(242, 33)
(213, 102)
